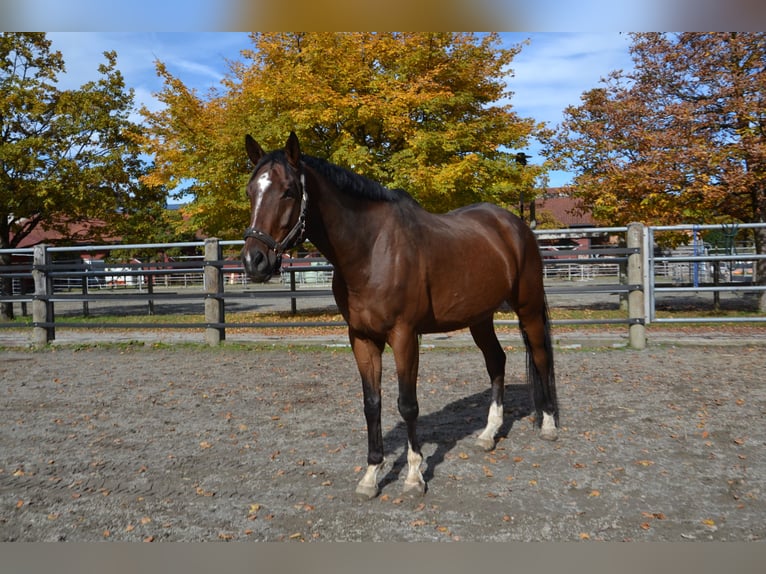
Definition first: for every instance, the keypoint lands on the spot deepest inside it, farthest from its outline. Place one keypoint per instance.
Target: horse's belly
(458, 308)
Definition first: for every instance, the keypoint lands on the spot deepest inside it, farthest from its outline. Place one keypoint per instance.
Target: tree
(680, 139)
(418, 111)
(66, 156)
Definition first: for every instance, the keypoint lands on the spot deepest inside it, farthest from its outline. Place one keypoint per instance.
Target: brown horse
(401, 271)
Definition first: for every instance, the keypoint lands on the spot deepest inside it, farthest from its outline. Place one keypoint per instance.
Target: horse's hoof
(550, 434)
(485, 444)
(414, 489)
(365, 492)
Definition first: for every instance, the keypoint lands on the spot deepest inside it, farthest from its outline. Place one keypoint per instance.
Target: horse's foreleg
(406, 356)
(368, 359)
(494, 357)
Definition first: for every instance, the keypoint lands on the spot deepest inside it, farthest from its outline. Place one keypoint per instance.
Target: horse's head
(278, 203)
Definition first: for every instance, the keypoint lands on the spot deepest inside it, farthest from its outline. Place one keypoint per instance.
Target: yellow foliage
(425, 112)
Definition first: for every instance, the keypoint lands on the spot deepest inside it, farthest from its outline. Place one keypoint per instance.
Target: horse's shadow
(453, 423)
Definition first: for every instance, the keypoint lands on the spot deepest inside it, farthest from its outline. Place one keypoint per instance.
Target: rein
(294, 237)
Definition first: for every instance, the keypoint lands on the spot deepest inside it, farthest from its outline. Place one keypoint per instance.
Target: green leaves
(67, 155)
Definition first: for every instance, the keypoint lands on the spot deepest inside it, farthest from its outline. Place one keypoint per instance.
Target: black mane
(354, 184)
(346, 181)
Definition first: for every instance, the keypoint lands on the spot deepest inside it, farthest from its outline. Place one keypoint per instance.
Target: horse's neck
(341, 231)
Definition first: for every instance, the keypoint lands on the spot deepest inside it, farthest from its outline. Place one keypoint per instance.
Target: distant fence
(626, 264)
(701, 268)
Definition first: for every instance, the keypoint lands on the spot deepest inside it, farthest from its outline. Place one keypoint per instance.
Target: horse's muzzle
(259, 266)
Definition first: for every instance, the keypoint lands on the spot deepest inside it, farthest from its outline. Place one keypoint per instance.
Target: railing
(627, 270)
(700, 271)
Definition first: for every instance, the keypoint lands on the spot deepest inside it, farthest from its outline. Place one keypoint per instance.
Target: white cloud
(555, 69)
(198, 59)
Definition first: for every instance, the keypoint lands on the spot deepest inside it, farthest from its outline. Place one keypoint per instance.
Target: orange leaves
(202, 492)
(647, 525)
(634, 141)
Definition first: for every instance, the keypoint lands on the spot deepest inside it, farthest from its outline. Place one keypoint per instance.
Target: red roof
(566, 210)
(78, 233)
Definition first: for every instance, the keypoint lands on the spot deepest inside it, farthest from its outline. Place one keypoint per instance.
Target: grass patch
(284, 321)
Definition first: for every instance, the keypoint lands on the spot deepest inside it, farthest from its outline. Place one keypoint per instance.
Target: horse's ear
(293, 150)
(254, 151)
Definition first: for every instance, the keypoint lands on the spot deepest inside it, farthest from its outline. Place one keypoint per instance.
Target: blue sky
(549, 74)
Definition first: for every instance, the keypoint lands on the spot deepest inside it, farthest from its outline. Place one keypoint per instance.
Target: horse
(401, 271)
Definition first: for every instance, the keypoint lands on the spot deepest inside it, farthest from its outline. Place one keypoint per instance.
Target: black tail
(542, 378)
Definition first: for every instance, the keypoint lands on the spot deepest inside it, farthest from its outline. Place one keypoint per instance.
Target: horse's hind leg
(494, 357)
(535, 329)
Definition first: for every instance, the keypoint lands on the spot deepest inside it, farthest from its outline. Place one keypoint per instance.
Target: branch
(25, 229)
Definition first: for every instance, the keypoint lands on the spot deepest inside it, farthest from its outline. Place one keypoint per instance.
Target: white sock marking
(549, 423)
(370, 478)
(494, 422)
(414, 460)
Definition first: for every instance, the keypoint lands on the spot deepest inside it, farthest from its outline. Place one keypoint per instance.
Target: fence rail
(629, 269)
(703, 271)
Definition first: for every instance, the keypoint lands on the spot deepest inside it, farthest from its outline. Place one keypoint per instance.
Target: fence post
(293, 287)
(42, 306)
(636, 314)
(214, 305)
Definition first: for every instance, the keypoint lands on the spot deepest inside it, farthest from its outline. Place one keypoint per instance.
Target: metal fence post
(214, 304)
(42, 307)
(636, 314)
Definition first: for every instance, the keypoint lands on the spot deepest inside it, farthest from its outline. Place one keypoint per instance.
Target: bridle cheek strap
(294, 237)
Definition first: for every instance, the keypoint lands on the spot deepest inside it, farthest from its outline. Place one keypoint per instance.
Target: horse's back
(487, 213)
(472, 259)
(494, 226)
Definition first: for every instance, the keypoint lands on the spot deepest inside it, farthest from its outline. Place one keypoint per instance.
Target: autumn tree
(65, 155)
(426, 112)
(679, 139)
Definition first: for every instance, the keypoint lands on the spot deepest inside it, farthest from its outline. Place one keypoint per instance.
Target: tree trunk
(6, 288)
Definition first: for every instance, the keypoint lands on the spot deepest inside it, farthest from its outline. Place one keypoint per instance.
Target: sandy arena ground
(261, 442)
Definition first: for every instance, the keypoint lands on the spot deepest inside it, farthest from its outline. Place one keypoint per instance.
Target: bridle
(293, 238)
